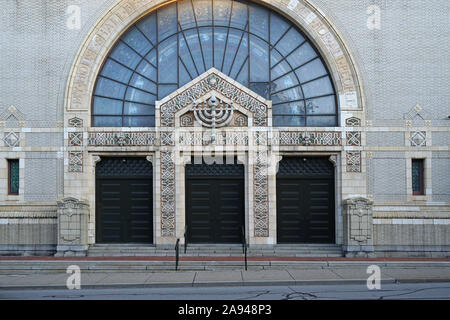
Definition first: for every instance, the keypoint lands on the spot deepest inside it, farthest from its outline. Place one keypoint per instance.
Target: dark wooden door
(124, 201)
(305, 201)
(214, 203)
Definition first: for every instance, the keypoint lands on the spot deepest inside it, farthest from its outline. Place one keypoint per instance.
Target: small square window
(418, 177)
(13, 176)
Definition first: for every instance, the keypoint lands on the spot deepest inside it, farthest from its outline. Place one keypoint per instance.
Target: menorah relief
(213, 113)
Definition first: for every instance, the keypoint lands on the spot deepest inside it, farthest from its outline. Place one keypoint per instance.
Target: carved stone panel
(218, 82)
(72, 227)
(358, 227)
(167, 194)
(261, 195)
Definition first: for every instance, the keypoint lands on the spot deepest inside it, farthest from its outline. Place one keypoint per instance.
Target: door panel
(214, 204)
(124, 201)
(305, 201)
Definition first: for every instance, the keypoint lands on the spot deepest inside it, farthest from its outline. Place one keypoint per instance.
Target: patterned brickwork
(44, 139)
(41, 178)
(441, 183)
(388, 139)
(389, 177)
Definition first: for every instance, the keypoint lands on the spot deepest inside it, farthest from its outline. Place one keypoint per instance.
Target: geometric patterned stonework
(418, 139)
(121, 139)
(11, 139)
(302, 138)
(220, 83)
(167, 139)
(75, 161)
(353, 122)
(75, 122)
(353, 138)
(416, 113)
(12, 116)
(223, 138)
(353, 161)
(261, 195)
(167, 194)
(75, 139)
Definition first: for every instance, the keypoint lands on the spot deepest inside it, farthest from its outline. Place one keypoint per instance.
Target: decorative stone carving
(75, 122)
(353, 122)
(75, 161)
(415, 117)
(261, 195)
(303, 138)
(107, 139)
(358, 227)
(213, 112)
(167, 194)
(96, 159)
(167, 139)
(12, 139)
(241, 121)
(75, 139)
(418, 139)
(221, 138)
(353, 138)
(333, 159)
(353, 161)
(187, 120)
(12, 115)
(72, 227)
(219, 82)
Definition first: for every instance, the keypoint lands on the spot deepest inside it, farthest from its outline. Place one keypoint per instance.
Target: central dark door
(214, 203)
(305, 200)
(124, 202)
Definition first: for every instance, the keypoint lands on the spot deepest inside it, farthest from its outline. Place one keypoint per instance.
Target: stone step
(308, 250)
(216, 253)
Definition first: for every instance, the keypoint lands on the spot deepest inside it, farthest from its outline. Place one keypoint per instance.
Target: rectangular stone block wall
(28, 230)
(409, 240)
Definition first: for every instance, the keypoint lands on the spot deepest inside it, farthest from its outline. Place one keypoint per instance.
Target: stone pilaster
(72, 227)
(358, 228)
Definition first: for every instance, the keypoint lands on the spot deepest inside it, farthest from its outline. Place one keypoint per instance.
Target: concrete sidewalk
(305, 274)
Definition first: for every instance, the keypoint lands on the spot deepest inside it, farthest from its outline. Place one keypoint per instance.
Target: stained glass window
(251, 44)
(13, 168)
(417, 177)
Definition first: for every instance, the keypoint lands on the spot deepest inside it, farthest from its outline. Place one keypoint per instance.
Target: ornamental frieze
(128, 139)
(209, 137)
(304, 138)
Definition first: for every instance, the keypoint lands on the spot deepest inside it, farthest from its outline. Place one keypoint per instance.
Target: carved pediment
(213, 111)
(209, 98)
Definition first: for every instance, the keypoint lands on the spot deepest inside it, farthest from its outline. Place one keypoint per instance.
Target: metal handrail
(185, 237)
(177, 253)
(244, 247)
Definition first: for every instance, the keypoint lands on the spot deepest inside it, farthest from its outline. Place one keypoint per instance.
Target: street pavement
(333, 274)
(391, 291)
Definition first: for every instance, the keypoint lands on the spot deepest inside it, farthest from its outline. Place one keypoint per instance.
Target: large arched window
(176, 43)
